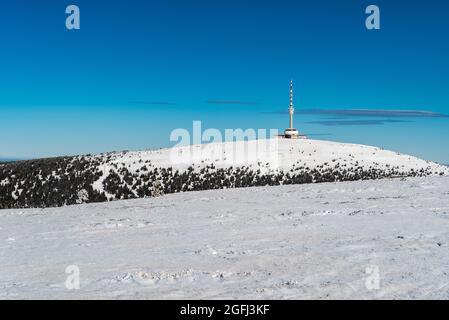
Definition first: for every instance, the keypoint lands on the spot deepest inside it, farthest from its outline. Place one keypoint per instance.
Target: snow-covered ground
(379, 239)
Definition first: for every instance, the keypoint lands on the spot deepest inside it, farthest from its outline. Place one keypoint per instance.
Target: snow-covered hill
(124, 175)
(383, 239)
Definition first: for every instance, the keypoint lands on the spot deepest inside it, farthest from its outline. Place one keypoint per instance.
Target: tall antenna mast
(291, 109)
(290, 132)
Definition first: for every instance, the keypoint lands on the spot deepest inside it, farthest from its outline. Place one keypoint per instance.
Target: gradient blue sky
(139, 69)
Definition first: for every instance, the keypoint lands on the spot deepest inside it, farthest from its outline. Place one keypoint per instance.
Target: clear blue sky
(139, 69)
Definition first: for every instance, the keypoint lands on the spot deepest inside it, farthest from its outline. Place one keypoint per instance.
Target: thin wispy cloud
(346, 113)
(232, 102)
(317, 134)
(333, 123)
(155, 103)
(375, 113)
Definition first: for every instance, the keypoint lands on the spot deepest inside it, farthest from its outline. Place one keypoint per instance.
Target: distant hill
(126, 175)
(3, 160)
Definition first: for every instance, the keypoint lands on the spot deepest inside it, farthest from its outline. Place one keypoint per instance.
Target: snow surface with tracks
(318, 241)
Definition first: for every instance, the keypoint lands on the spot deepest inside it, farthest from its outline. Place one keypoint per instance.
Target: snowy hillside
(383, 239)
(125, 175)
